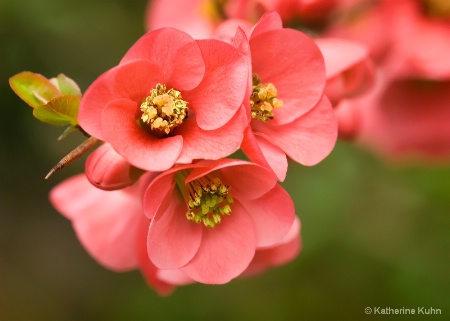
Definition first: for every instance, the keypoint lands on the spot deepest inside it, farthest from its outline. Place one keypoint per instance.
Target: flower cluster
(161, 193)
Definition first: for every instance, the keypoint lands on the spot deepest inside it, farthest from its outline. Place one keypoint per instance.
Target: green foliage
(54, 101)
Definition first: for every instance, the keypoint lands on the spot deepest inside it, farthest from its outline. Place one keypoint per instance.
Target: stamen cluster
(263, 100)
(208, 200)
(163, 110)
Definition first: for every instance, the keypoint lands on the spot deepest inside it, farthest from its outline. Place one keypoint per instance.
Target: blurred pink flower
(199, 18)
(170, 100)
(407, 115)
(110, 225)
(290, 114)
(209, 218)
(350, 71)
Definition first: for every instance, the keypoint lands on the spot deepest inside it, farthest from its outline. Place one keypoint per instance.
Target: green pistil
(163, 110)
(207, 199)
(263, 100)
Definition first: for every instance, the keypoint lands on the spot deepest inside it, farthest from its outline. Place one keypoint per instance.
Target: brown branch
(76, 153)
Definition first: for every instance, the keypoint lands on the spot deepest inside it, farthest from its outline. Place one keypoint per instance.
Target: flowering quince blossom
(257, 229)
(111, 225)
(290, 115)
(199, 18)
(407, 114)
(209, 218)
(171, 99)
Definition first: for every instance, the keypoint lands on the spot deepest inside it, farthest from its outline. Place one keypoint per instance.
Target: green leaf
(66, 85)
(59, 111)
(32, 88)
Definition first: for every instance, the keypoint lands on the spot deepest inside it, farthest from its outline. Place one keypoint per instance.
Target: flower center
(207, 199)
(214, 10)
(163, 110)
(437, 8)
(263, 100)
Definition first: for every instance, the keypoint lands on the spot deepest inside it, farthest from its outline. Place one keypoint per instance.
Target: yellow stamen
(263, 100)
(437, 8)
(163, 110)
(208, 200)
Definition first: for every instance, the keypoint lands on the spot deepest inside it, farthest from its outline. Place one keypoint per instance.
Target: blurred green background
(375, 234)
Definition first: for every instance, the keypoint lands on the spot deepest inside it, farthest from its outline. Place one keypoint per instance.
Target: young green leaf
(66, 85)
(34, 89)
(60, 111)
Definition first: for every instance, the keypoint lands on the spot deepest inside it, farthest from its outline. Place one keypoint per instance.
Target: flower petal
(307, 140)
(172, 239)
(105, 222)
(282, 253)
(225, 251)
(149, 271)
(264, 153)
(133, 142)
(159, 192)
(212, 144)
(175, 52)
(292, 62)
(268, 21)
(107, 170)
(273, 215)
(248, 180)
(222, 90)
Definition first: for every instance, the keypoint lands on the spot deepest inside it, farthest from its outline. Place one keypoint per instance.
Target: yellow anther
(263, 100)
(163, 110)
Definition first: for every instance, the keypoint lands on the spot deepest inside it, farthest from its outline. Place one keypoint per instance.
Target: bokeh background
(375, 232)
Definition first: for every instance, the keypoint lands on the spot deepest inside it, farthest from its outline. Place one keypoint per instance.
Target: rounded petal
(273, 215)
(149, 271)
(132, 80)
(105, 222)
(225, 251)
(247, 180)
(133, 142)
(159, 192)
(307, 140)
(107, 170)
(221, 93)
(282, 253)
(340, 54)
(265, 154)
(172, 239)
(212, 144)
(188, 16)
(292, 62)
(269, 21)
(175, 277)
(175, 53)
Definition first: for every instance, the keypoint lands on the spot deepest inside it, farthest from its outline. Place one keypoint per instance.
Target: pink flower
(170, 100)
(283, 252)
(110, 225)
(209, 218)
(199, 18)
(108, 170)
(406, 119)
(350, 71)
(290, 115)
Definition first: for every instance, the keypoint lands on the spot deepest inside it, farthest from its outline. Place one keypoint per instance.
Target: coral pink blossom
(289, 66)
(110, 225)
(209, 218)
(199, 18)
(406, 119)
(283, 252)
(170, 100)
(350, 71)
